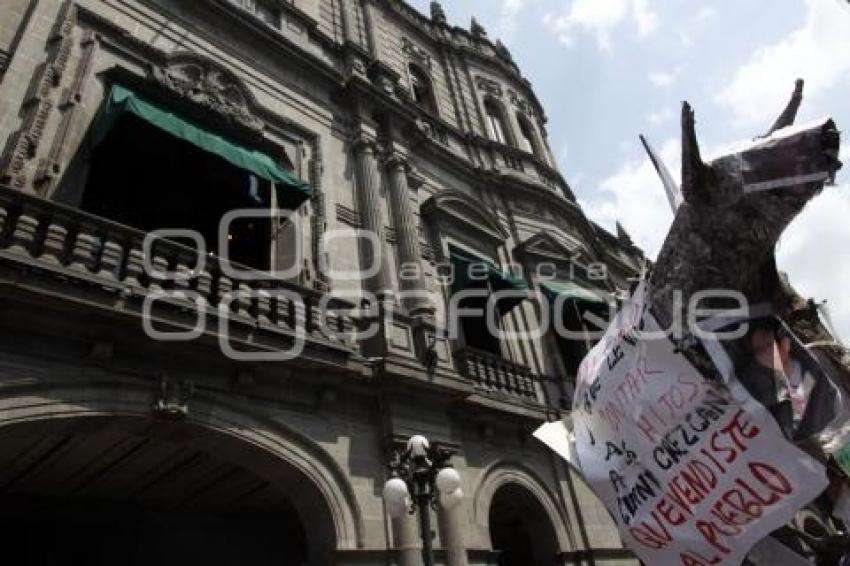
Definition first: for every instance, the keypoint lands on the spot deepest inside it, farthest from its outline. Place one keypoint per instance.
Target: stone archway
(515, 510)
(214, 484)
(520, 529)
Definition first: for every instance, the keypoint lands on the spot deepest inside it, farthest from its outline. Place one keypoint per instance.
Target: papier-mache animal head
(760, 186)
(734, 208)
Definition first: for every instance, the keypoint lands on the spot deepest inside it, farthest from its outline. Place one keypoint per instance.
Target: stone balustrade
(77, 245)
(492, 374)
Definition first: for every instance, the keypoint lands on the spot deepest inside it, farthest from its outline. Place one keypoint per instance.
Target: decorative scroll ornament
(207, 84)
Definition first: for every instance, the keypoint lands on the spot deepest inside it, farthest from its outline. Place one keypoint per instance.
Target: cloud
(705, 13)
(635, 196)
(600, 18)
(508, 17)
(663, 78)
(659, 117)
(817, 51)
(645, 19)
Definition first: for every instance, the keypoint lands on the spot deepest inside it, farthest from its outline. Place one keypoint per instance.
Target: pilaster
(410, 268)
(373, 251)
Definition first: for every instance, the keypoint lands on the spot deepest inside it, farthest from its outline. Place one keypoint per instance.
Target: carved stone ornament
(477, 29)
(438, 15)
(520, 103)
(208, 84)
(430, 130)
(502, 51)
(489, 86)
(415, 52)
(171, 399)
(354, 65)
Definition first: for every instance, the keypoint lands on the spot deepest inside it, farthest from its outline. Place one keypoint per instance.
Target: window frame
(422, 89)
(497, 125)
(528, 135)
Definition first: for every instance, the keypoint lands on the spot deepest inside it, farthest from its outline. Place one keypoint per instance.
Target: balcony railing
(492, 374)
(79, 246)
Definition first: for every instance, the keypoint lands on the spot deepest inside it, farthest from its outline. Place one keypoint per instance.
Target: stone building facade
(146, 411)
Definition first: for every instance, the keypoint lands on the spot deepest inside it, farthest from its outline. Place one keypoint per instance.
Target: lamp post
(421, 477)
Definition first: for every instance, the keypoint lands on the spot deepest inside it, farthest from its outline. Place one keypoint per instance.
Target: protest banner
(694, 472)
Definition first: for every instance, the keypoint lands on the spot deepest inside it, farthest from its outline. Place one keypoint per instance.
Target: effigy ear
(790, 113)
(693, 169)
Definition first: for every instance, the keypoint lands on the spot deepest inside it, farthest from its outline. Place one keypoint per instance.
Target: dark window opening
(528, 142)
(495, 121)
(475, 332)
(145, 178)
(422, 90)
(520, 528)
(572, 350)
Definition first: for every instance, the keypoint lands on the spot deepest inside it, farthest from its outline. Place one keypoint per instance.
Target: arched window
(528, 141)
(421, 89)
(496, 121)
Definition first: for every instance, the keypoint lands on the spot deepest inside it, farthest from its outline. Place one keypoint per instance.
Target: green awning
(573, 293)
(487, 276)
(291, 190)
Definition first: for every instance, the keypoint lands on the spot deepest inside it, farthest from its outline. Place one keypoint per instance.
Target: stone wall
(329, 88)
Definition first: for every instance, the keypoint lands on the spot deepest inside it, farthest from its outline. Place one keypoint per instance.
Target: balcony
(496, 377)
(98, 258)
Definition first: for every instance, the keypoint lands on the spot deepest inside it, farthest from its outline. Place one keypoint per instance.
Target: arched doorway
(520, 529)
(101, 491)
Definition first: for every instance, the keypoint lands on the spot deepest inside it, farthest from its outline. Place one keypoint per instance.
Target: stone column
(451, 533)
(407, 238)
(407, 541)
(369, 204)
(347, 24)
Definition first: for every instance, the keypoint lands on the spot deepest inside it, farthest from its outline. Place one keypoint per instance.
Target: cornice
(522, 154)
(510, 185)
(461, 209)
(275, 37)
(310, 24)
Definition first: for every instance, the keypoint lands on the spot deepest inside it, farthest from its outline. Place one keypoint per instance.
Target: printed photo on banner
(694, 471)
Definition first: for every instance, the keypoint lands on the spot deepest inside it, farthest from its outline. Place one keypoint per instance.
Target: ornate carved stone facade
(204, 82)
(115, 378)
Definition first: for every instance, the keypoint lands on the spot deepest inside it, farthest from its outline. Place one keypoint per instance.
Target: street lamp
(421, 476)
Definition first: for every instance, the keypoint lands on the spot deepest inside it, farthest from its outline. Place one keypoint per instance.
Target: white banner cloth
(693, 472)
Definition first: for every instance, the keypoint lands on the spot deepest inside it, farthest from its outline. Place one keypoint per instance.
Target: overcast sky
(607, 70)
